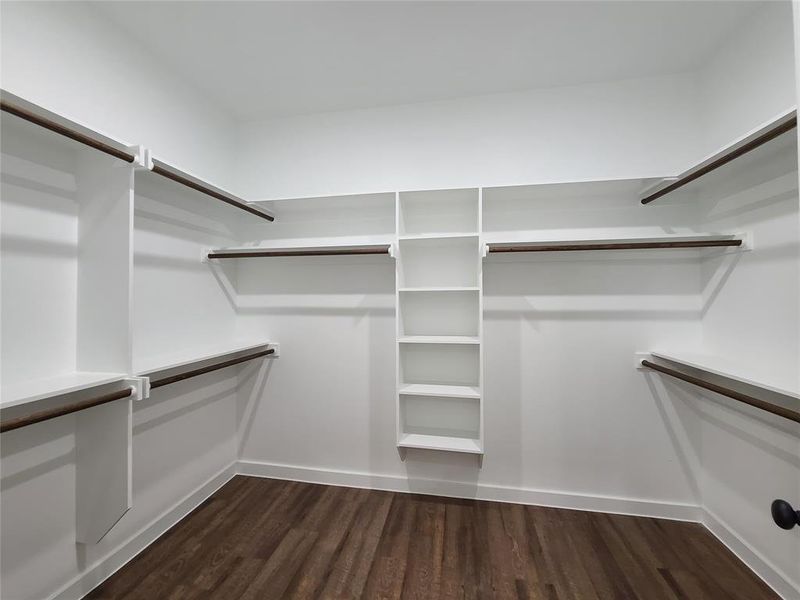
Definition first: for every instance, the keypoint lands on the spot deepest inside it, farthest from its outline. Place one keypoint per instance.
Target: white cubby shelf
(440, 442)
(440, 289)
(439, 321)
(439, 339)
(443, 391)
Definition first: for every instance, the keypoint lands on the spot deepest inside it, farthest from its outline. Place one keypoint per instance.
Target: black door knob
(784, 515)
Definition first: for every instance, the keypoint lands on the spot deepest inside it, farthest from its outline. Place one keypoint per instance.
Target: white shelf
(779, 120)
(39, 389)
(440, 391)
(439, 339)
(39, 112)
(438, 236)
(151, 366)
(343, 249)
(440, 442)
(732, 370)
(544, 241)
(439, 289)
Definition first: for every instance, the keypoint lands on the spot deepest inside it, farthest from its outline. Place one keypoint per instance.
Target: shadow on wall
(442, 473)
(252, 387)
(703, 406)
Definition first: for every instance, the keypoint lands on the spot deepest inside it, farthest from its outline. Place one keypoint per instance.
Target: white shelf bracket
(141, 387)
(747, 241)
(639, 357)
(204, 255)
(657, 184)
(142, 157)
(484, 250)
(393, 250)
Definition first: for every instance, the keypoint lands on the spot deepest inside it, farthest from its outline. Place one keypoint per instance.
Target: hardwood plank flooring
(264, 538)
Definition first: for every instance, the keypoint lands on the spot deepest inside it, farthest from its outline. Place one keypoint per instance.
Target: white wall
(624, 129)
(67, 58)
(749, 80)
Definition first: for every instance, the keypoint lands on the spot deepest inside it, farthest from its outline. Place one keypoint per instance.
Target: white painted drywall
(749, 79)
(69, 59)
(602, 131)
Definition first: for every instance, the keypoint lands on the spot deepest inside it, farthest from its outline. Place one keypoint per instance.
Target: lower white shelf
(780, 383)
(440, 442)
(440, 390)
(59, 385)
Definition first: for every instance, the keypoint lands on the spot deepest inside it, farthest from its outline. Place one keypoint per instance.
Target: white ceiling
(266, 59)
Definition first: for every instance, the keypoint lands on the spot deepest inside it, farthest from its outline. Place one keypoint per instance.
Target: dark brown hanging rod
(52, 413)
(609, 246)
(66, 131)
(765, 137)
(769, 407)
(238, 203)
(383, 249)
(194, 373)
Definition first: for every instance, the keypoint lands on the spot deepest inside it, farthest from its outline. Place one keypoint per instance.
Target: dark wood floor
(263, 538)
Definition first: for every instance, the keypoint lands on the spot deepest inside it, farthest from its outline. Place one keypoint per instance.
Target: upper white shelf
(51, 387)
(733, 371)
(735, 241)
(273, 252)
(782, 123)
(33, 113)
(196, 183)
(152, 366)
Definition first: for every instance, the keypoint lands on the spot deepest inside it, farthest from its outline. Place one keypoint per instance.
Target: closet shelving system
(768, 391)
(74, 346)
(442, 239)
(440, 242)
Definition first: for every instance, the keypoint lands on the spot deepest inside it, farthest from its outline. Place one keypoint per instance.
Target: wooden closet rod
(52, 413)
(65, 131)
(610, 246)
(775, 409)
(384, 249)
(209, 369)
(164, 171)
(724, 159)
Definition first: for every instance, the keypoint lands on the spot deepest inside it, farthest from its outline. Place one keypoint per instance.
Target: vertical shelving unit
(439, 321)
(67, 268)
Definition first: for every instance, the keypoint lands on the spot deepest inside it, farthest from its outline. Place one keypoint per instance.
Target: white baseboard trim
(772, 576)
(101, 570)
(476, 491)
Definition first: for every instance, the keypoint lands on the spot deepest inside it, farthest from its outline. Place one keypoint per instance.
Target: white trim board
(104, 568)
(454, 489)
(763, 568)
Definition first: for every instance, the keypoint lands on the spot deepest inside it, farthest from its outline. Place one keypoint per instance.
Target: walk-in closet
(406, 299)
